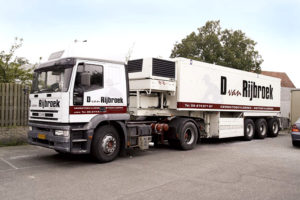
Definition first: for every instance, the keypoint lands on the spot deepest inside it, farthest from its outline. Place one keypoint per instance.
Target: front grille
(44, 118)
(163, 68)
(48, 115)
(47, 142)
(78, 135)
(50, 111)
(43, 129)
(43, 114)
(135, 65)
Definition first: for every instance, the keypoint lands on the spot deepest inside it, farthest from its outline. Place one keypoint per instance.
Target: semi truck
(102, 107)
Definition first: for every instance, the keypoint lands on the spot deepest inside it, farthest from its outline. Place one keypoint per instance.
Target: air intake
(152, 75)
(151, 68)
(163, 68)
(135, 65)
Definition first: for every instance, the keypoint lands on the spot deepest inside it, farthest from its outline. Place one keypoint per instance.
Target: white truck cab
(67, 93)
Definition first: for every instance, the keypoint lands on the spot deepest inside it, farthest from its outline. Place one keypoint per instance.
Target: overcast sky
(149, 27)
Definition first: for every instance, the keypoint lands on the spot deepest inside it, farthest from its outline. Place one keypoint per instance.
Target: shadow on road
(47, 157)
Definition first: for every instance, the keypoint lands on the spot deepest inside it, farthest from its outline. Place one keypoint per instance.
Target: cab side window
(89, 77)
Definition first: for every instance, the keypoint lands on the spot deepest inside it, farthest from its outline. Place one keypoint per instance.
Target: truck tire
(248, 129)
(273, 127)
(188, 136)
(261, 128)
(105, 144)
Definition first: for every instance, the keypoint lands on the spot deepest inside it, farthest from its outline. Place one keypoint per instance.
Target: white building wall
(295, 105)
(285, 106)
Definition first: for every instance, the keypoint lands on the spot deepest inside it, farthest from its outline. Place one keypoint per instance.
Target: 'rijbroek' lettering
(251, 90)
(45, 103)
(111, 100)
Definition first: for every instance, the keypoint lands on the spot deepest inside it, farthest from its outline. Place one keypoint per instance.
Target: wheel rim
(189, 136)
(249, 130)
(275, 127)
(263, 129)
(109, 144)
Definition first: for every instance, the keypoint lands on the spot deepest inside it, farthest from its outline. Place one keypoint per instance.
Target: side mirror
(78, 96)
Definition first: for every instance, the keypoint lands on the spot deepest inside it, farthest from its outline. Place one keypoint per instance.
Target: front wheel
(106, 144)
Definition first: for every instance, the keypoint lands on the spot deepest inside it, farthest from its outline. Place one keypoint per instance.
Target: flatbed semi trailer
(87, 105)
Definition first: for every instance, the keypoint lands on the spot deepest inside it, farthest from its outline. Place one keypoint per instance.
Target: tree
(11, 66)
(223, 47)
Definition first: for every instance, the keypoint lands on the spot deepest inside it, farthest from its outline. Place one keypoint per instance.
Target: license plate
(42, 136)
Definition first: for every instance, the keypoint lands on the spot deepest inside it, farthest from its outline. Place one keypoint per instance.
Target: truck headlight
(62, 133)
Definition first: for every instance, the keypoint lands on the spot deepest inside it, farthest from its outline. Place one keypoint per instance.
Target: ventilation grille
(135, 65)
(163, 68)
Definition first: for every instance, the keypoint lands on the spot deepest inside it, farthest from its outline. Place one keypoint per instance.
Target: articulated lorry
(101, 107)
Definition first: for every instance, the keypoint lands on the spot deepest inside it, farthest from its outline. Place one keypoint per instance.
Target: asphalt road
(226, 169)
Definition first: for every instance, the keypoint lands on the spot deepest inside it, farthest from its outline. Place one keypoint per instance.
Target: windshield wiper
(45, 90)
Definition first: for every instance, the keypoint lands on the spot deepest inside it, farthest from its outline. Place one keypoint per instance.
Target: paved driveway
(226, 169)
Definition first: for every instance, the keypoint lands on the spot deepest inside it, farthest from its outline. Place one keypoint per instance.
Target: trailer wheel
(106, 144)
(248, 129)
(261, 128)
(188, 136)
(273, 127)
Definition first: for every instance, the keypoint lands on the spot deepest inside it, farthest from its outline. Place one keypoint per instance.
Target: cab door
(99, 88)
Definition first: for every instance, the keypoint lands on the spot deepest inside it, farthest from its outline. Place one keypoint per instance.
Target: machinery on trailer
(84, 105)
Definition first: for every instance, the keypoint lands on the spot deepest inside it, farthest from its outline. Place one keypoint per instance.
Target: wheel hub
(188, 136)
(109, 144)
(249, 130)
(262, 129)
(275, 127)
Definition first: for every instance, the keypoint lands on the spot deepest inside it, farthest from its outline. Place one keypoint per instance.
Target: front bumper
(77, 142)
(295, 136)
(51, 141)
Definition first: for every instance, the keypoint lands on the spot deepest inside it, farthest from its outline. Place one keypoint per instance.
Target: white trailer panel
(203, 86)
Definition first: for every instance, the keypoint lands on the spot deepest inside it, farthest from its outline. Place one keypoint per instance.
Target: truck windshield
(52, 80)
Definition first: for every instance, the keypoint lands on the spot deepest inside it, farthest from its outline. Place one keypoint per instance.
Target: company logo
(45, 103)
(250, 90)
(108, 100)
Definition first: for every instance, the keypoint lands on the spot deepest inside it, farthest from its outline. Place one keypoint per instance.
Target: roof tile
(285, 80)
